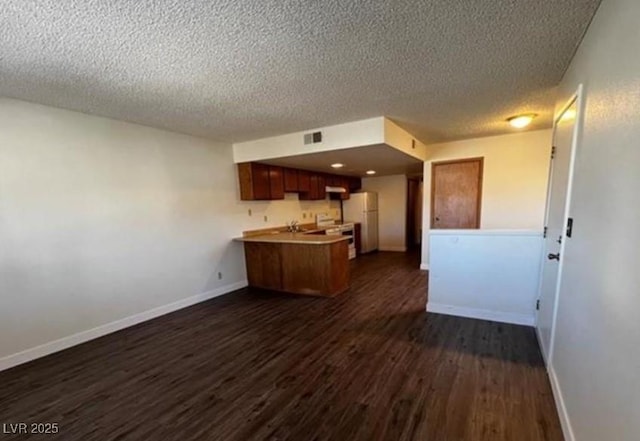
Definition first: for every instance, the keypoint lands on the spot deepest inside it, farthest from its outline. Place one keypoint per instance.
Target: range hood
(331, 189)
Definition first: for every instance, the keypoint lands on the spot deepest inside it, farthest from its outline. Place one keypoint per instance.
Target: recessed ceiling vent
(313, 138)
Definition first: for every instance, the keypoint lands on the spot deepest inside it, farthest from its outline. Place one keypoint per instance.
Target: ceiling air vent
(313, 138)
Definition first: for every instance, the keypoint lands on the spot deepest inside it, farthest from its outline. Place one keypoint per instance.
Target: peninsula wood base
(298, 268)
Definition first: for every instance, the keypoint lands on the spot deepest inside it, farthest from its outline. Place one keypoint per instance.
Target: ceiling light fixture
(521, 121)
(337, 165)
(568, 115)
(371, 172)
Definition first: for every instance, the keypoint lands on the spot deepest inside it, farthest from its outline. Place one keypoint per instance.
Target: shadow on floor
(480, 338)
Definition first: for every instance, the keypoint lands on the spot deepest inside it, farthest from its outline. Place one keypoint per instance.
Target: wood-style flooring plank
(370, 364)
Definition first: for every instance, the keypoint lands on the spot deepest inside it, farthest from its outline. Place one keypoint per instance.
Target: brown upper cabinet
(266, 182)
(260, 182)
(355, 183)
(314, 189)
(254, 181)
(322, 186)
(333, 180)
(304, 181)
(276, 182)
(291, 180)
(344, 183)
(340, 181)
(317, 188)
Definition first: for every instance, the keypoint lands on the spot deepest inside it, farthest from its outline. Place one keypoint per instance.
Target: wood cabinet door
(276, 183)
(313, 187)
(304, 181)
(322, 187)
(344, 182)
(245, 179)
(264, 269)
(355, 184)
(456, 193)
(333, 180)
(260, 181)
(290, 180)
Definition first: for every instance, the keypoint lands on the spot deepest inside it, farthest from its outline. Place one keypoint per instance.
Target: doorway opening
(414, 213)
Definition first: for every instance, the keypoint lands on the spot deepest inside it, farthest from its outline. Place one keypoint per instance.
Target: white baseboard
(482, 314)
(545, 356)
(395, 249)
(567, 430)
(563, 415)
(424, 266)
(90, 334)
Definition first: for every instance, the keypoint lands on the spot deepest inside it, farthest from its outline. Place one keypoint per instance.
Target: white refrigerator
(363, 208)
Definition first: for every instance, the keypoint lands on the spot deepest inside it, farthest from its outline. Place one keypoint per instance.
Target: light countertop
(299, 238)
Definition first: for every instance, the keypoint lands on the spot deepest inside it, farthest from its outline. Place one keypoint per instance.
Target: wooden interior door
(456, 194)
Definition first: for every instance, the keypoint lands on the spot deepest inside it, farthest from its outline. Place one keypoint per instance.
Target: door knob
(554, 256)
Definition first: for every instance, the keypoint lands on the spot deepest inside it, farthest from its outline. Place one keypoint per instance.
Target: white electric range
(335, 227)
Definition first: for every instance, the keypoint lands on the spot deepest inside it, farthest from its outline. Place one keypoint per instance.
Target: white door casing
(565, 144)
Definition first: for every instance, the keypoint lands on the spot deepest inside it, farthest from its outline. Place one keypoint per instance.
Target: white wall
(595, 365)
(101, 220)
(341, 136)
(392, 210)
(280, 212)
(490, 275)
(514, 188)
(397, 137)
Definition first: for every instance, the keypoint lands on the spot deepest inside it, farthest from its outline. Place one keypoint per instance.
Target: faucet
(293, 227)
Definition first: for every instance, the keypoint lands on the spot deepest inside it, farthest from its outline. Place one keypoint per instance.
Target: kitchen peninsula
(298, 263)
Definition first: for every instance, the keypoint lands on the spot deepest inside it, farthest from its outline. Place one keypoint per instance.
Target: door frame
(479, 159)
(578, 98)
(411, 213)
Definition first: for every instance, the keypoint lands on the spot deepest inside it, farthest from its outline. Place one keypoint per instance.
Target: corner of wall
(398, 138)
(61, 344)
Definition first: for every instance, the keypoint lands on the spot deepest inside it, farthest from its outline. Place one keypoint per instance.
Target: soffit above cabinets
(383, 159)
(374, 144)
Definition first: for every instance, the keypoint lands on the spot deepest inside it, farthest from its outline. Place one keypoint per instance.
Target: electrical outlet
(250, 213)
(266, 219)
(304, 215)
(219, 276)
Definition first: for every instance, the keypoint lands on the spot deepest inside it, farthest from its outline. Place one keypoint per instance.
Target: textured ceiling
(235, 70)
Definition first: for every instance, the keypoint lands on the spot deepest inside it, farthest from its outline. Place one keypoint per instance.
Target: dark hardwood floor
(369, 364)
